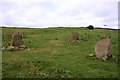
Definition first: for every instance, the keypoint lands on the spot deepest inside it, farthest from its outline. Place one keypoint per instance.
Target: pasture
(50, 53)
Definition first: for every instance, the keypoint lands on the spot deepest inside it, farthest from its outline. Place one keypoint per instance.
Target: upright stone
(17, 39)
(75, 36)
(103, 48)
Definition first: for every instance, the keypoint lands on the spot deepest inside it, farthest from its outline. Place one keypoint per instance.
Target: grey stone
(103, 48)
(17, 39)
(75, 36)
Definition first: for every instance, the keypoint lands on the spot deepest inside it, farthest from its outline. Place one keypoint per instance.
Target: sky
(56, 13)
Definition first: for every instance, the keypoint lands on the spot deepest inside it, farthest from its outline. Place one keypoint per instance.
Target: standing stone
(17, 39)
(103, 48)
(75, 36)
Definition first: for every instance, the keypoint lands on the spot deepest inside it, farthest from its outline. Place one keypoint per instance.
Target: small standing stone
(75, 36)
(103, 48)
(17, 39)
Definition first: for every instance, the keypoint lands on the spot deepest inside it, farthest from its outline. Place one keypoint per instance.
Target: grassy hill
(51, 54)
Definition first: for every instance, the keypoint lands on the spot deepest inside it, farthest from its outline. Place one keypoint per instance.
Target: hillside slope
(51, 54)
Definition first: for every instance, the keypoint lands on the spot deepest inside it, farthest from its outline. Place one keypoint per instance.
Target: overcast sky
(48, 13)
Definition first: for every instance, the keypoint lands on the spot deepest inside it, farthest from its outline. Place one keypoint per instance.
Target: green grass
(53, 55)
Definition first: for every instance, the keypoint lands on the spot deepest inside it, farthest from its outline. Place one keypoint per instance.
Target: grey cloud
(45, 13)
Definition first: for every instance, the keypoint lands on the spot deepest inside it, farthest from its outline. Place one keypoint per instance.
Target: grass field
(51, 54)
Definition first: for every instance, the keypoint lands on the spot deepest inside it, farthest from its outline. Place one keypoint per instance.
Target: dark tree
(90, 27)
